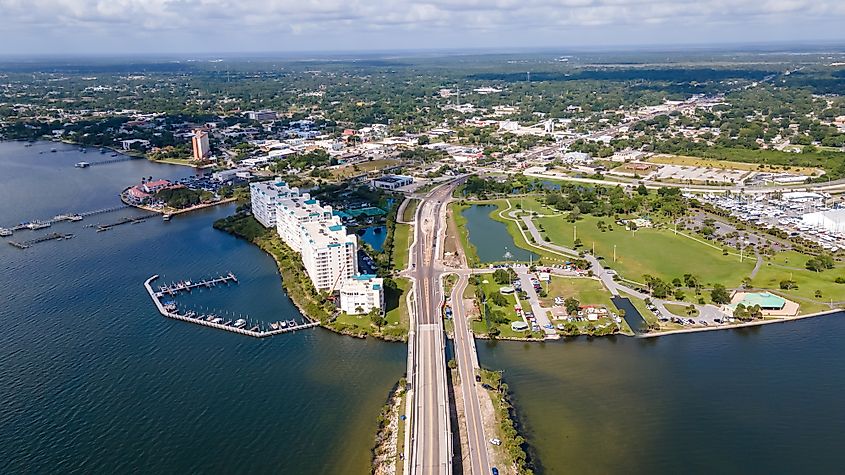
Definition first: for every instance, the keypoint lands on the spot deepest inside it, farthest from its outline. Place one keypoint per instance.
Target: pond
(492, 241)
(374, 236)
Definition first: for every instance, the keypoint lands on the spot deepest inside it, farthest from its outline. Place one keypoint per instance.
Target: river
(756, 400)
(94, 380)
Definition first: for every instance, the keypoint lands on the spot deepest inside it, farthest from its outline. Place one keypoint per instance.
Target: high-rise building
(200, 144)
(264, 195)
(329, 255)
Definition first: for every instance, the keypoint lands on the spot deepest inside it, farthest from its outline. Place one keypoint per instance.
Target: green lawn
(585, 290)
(396, 314)
(656, 252)
(680, 310)
(401, 243)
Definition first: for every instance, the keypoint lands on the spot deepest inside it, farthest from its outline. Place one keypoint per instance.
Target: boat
(5, 232)
(167, 217)
(240, 323)
(53, 150)
(283, 324)
(82, 165)
(38, 225)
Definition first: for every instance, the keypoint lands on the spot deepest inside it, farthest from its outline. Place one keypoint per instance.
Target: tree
(572, 305)
(820, 263)
(720, 295)
(377, 318)
(642, 190)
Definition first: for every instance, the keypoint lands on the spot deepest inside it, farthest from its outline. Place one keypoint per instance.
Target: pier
(214, 321)
(46, 237)
(71, 217)
(187, 285)
(127, 220)
(124, 158)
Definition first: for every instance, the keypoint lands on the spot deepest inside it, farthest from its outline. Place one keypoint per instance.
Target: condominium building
(200, 145)
(293, 212)
(264, 196)
(362, 293)
(329, 255)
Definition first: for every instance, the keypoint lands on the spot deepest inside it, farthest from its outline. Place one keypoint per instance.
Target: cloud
(402, 23)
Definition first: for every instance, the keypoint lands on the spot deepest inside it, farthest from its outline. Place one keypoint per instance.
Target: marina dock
(45, 238)
(214, 321)
(128, 220)
(187, 285)
(71, 217)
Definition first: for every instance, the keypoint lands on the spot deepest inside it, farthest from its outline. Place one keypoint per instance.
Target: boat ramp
(239, 326)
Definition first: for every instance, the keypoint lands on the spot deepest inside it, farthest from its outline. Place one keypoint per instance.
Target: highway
(432, 435)
(467, 364)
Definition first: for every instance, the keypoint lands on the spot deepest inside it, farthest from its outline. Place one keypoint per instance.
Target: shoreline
(741, 325)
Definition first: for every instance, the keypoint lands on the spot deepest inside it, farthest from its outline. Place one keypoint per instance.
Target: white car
(495, 441)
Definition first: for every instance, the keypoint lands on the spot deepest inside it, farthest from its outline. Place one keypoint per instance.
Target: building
(392, 182)
(199, 141)
(294, 211)
(264, 195)
(832, 221)
(329, 255)
(361, 294)
(261, 115)
(136, 144)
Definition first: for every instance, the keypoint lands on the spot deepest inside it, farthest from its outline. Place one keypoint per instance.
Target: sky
(30, 27)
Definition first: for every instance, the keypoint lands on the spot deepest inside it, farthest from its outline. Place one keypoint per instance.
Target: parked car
(495, 441)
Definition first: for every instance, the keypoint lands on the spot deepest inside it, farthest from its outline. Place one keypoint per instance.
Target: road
(467, 359)
(432, 435)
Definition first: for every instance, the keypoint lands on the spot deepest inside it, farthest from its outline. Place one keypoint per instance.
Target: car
(477, 378)
(548, 325)
(495, 441)
(494, 471)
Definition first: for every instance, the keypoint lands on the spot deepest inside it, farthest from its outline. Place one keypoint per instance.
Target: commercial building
(832, 221)
(391, 182)
(199, 141)
(361, 294)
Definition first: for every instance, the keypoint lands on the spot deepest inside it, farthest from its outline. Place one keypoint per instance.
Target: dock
(45, 238)
(127, 220)
(187, 285)
(70, 217)
(124, 158)
(214, 321)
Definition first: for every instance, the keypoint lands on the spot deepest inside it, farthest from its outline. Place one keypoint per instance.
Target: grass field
(656, 252)
(727, 164)
(587, 291)
(363, 167)
(401, 243)
(680, 310)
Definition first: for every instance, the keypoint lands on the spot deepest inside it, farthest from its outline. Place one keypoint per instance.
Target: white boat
(239, 323)
(37, 225)
(5, 232)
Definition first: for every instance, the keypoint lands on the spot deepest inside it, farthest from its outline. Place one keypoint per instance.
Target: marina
(212, 320)
(37, 224)
(45, 238)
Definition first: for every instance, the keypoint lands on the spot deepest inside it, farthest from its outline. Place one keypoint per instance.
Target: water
(761, 400)
(632, 316)
(491, 239)
(93, 379)
(374, 238)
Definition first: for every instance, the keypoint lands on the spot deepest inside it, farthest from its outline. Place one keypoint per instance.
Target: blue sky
(211, 26)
